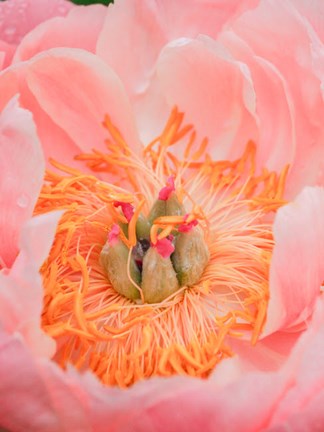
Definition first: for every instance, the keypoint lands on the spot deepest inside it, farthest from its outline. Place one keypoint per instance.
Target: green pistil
(157, 276)
(114, 259)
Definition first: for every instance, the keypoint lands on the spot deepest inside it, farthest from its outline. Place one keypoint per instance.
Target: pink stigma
(167, 190)
(113, 235)
(164, 247)
(186, 227)
(127, 209)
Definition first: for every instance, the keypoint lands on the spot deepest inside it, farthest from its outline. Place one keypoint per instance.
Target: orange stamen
(132, 223)
(122, 341)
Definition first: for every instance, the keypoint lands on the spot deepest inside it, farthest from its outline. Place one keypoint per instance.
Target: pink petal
(301, 408)
(150, 25)
(221, 106)
(21, 16)
(20, 382)
(229, 400)
(269, 354)
(55, 141)
(36, 239)
(79, 108)
(22, 171)
(32, 399)
(274, 111)
(6, 54)
(301, 63)
(21, 291)
(232, 400)
(69, 117)
(80, 28)
(308, 418)
(180, 404)
(297, 267)
(313, 11)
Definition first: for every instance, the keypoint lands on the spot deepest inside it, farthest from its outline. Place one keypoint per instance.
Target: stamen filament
(124, 340)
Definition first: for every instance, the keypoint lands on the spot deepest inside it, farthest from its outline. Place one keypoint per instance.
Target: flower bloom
(173, 226)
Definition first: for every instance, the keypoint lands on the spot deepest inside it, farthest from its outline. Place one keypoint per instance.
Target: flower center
(153, 272)
(163, 252)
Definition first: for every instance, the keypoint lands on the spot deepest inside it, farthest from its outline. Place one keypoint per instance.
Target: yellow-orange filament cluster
(122, 341)
(164, 225)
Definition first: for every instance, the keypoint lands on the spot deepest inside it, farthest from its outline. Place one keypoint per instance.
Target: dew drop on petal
(61, 8)
(10, 34)
(10, 31)
(23, 201)
(142, 87)
(9, 5)
(182, 41)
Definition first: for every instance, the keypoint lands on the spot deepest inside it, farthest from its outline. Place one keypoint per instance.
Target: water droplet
(10, 31)
(182, 41)
(142, 87)
(61, 10)
(23, 201)
(23, 4)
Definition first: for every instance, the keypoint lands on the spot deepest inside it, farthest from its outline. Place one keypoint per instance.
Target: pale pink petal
(21, 291)
(297, 266)
(309, 417)
(36, 239)
(76, 89)
(180, 404)
(55, 141)
(269, 354)
(79, 29)
(13, 320)
(221, 105)
(313, 10)
(274, 112)
(21, 16)
(230, 400)
(34, 401)
(69, 112)
(301, 408)
(6, 54)
(22, 170)
(150, 25)
(286, 40)
(59, 399)
(19, 383)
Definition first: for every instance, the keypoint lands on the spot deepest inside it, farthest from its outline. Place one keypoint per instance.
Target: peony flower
(161, 230)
